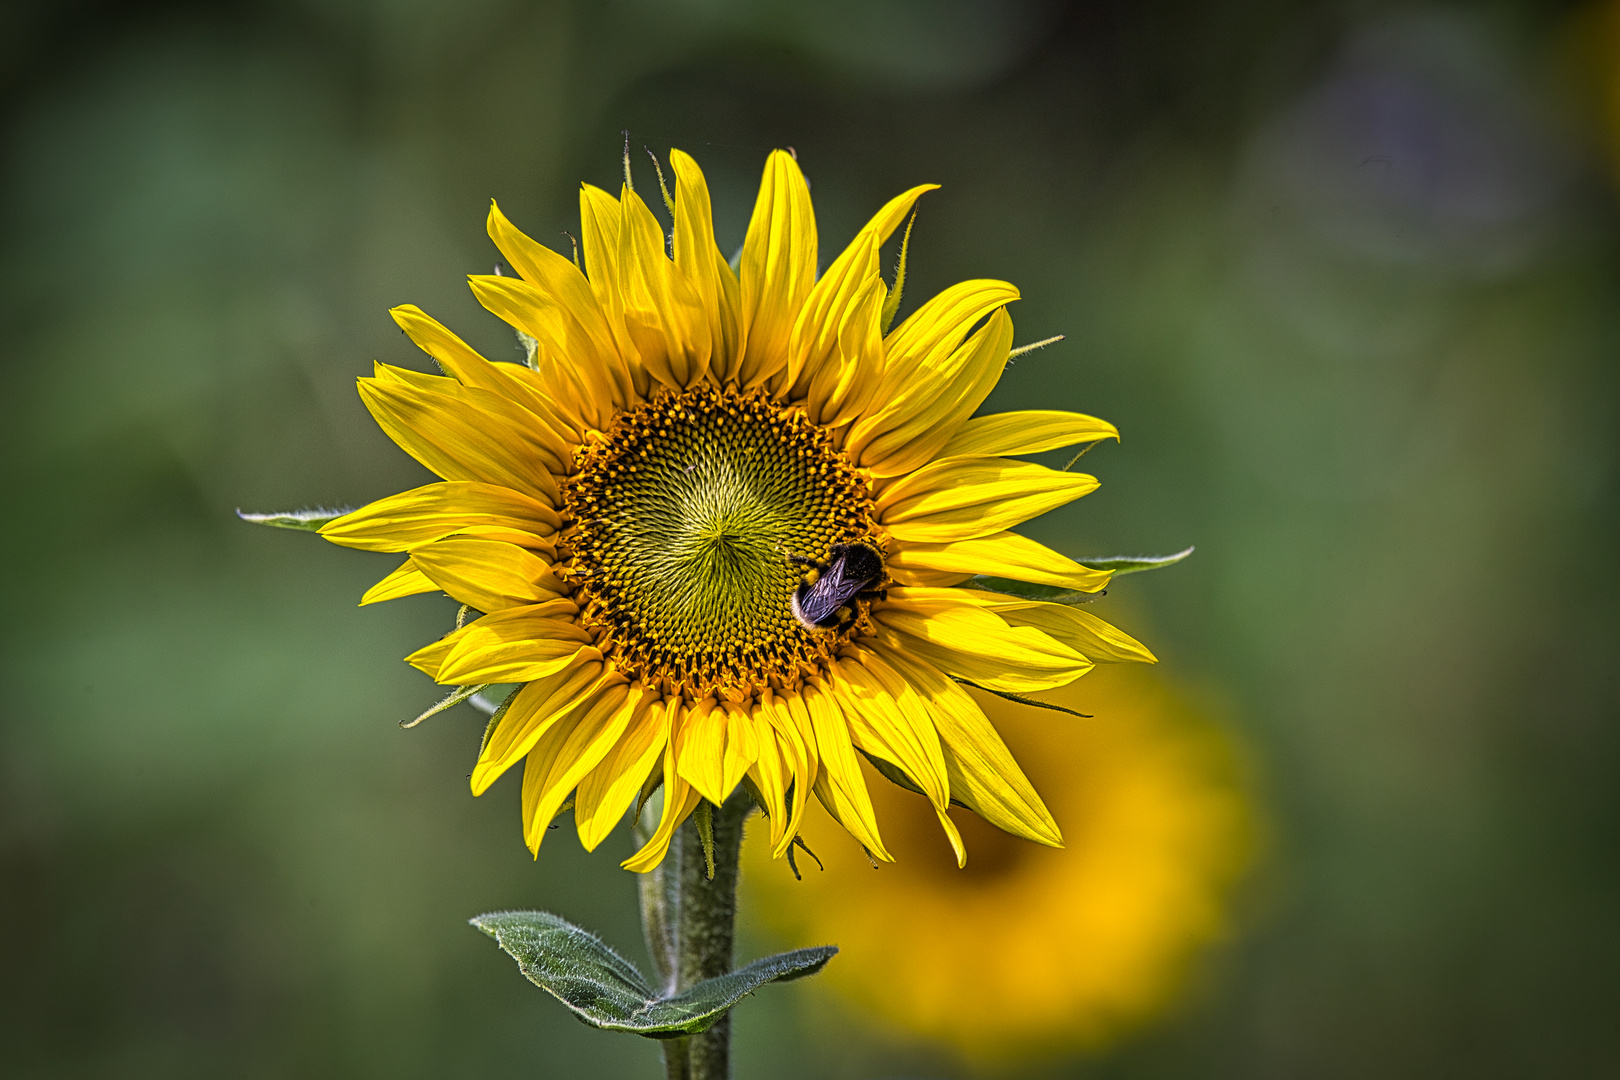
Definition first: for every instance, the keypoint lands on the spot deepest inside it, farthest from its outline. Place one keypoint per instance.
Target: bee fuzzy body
(823, 603)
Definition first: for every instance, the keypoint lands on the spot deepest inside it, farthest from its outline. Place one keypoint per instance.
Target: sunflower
(630, 514)
(1028, 950)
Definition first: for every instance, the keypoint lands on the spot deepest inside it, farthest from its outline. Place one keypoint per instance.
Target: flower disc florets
(683, 518)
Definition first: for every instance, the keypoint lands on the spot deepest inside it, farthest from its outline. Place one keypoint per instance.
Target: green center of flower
(684, 517)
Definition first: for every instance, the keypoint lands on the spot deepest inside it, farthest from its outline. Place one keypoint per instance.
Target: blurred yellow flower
(1031, 950)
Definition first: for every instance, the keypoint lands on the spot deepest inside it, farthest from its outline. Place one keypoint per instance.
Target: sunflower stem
(677, 1058)
(689, 919)
(660, 900)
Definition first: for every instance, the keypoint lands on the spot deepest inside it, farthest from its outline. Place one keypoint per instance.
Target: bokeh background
(1344, 273)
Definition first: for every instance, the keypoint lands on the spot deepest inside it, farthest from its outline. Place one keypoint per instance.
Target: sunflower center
(684, 517)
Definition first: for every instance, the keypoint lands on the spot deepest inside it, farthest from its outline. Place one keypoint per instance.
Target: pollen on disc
(683, 521)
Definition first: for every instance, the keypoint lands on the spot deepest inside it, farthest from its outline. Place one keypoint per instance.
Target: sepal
(894, 775)
(1029, 590)
(456, 697)
(1055, 594)
(1024, 699)
(1135, 564)
(302, 520)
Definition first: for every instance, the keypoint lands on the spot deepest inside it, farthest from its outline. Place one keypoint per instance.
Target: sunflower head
(638, 513)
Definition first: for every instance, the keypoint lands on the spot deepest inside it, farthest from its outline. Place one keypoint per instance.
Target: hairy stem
(678, 1058)
(660, 901)
(689, 921)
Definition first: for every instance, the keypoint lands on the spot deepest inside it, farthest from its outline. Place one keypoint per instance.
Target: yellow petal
(1005, 555)
(796, 741)
(1085, 633)
(819, 333)
(918, 351)
(466, 434)
(532, 712)
(839, 785)
(421, 380)
(455, 357)
(434, 511)
(406, 580)
(1026, 432)
(679, 801)
(836, 350)
(961, 638)
(578, 366)
(700, 261)
(461, 361)
(777, 270)
(982, 771)
(952, 835)
(544, 546)
(923, 412)
(840, 384)
(888, 719)
(714, 746)
(505, 647)
(487, 574)
(583, 346)
(430, 658)
(601, 219)
(599, 222)
(936, 579)
(888, 219)
(964, 498)
(878, 229)
(771, 774)
(536, 416)
(561, 281)
(936, 328)
(607, 790)
(517, 645)
(662, 313)
(700, 746)
(566, 753)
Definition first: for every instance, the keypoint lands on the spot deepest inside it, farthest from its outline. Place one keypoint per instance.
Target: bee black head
(862, 562)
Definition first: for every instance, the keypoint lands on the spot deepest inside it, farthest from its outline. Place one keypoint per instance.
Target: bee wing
(830, 592)
(818, 602)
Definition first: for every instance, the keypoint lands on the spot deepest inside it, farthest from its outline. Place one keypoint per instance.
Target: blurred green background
(1343, 273)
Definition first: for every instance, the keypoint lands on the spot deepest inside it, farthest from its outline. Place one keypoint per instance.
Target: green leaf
(1135, 564)
(605, 990)
(303, 520)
